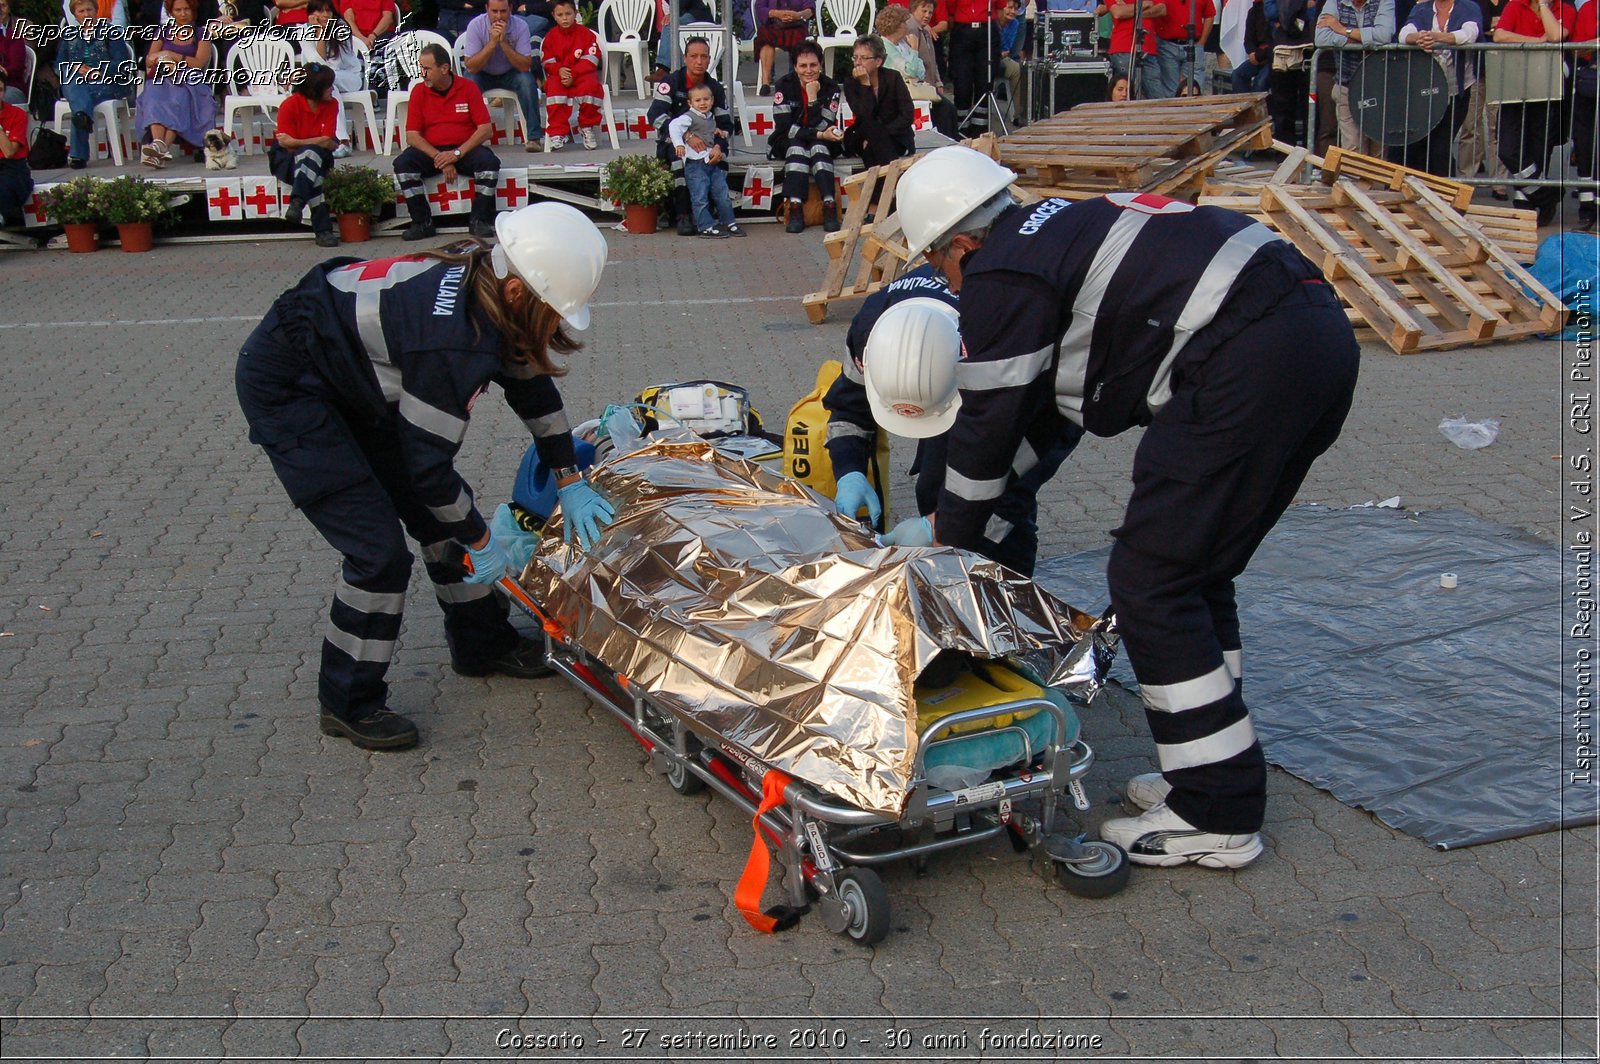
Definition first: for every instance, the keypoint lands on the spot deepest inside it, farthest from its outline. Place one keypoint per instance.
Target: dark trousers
(1214, 472)
(1528, 133)
(1286, 103)
(803, 163)
(480, 164)
(303, 169)
(347, 476)
(16, 189)
(1012, 535)
(1433, 153)
(969, 64)
(1585, 148)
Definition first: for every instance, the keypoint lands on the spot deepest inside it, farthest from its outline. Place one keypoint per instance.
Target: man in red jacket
(16, 180)
(447, 126)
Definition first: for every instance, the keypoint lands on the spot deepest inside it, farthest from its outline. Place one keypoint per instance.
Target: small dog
(219, 153)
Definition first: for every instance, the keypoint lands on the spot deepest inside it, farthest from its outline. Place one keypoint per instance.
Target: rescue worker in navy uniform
(671, 99)
(359, 384)
(1227, 343)
(857, 408)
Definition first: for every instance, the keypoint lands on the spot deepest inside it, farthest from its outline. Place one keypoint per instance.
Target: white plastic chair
(631, 20)
(517, 122)
(33, 71)
(364, 100)
(715, 37)
(266, 64)
(403, 57)
(112, 112)
(846, 16)
(608, 115)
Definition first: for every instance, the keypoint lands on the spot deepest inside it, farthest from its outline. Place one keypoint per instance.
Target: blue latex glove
(912, 532)
(855, 492)
(489, 562)
(584, 509)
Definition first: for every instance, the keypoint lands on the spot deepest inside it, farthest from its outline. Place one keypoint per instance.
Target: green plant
(356, 190)
(639, 180)
(131, 199)
(75, 202)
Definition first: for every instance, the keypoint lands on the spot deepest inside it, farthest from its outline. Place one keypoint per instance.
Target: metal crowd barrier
(1398, 96)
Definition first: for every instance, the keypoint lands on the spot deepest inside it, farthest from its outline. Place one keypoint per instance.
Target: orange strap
(756, 870)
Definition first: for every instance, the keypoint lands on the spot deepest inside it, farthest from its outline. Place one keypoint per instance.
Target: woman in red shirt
(303, 152)
(1528, 131)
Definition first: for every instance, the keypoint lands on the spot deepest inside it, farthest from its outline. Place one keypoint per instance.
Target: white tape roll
(1447, 580)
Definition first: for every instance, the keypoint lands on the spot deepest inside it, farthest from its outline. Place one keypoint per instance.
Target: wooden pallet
(1341, 163)
(1410, 266)
(883, 250)
(1165, 146)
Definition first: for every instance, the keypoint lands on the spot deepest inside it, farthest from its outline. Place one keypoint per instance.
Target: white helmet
(944, 187)
(557, 251)
(910, 368)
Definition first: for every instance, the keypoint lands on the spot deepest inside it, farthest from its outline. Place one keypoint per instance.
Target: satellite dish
(1398, 97)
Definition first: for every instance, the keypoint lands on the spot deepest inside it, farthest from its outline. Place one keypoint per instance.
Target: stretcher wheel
(683, 781)
(1104, 875)
(863, 895)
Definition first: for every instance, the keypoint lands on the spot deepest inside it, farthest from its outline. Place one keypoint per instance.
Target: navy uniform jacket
(852, 432)
(671, 99)
(1080, 312)
(398, 341)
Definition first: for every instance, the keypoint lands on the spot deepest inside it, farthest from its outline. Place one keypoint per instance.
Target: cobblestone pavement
(188, 870)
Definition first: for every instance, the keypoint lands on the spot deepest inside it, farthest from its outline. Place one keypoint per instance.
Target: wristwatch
(458, 153)
(567, 475)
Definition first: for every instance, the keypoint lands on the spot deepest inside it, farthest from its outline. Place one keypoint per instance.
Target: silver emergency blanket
(1440, 710)
(740, 602)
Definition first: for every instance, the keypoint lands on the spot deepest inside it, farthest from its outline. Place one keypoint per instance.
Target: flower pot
(136, 236)
(355, 228)
(640, 219)
(82, 236)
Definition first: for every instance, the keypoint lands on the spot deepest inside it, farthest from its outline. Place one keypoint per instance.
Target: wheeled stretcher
(864, 704)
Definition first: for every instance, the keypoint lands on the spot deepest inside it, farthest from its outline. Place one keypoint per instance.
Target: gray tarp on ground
(1441, 712)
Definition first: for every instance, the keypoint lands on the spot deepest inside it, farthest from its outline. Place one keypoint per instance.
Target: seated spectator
(447, 128)
(931, 20)
(708, 182)
(370, 20)
(1436, 26)
(16, 180)
(779, 24)
(497, 53)
(454, 15)
(114, 11)
(1529, 130)
(330, 41)
(1347, 25)
(289, 12)
(878, 98)
(807, 136)
(572, 76)
(1252, 74)
(1585, 104)
(671, 100)
(894, 25)
(302, 153)
(175, 104)
(93, 69)
(13, 58)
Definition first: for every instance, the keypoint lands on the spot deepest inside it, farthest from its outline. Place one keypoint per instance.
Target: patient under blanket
(742, 603)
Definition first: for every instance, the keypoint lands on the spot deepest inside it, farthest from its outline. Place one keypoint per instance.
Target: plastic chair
(715, 37)
(518, 125)
(631, 18)
(364, 99)
(265, 64)
(33, 70)
(112, 112)
(403, 60)
(846, 17)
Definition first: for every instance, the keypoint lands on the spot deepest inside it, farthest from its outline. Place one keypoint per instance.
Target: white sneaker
(342, 151)
(1160, 837)
(589, 139)
(1146, 790)
(556, 143)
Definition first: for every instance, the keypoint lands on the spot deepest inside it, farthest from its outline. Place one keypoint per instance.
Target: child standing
(572, 75)
(706, 179)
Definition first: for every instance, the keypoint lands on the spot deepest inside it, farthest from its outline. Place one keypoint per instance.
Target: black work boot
(830, 216)
(525, 661)
(382, 729)
(797, 217)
